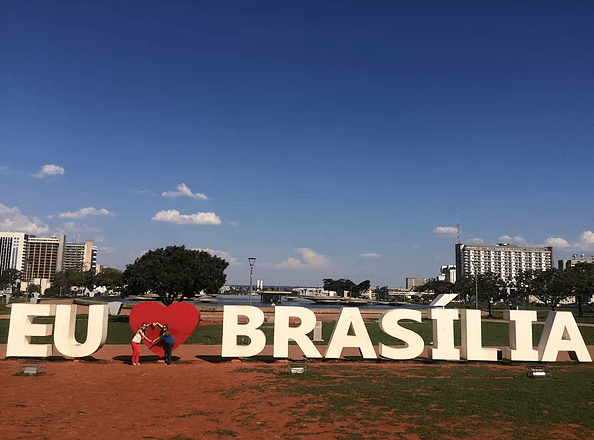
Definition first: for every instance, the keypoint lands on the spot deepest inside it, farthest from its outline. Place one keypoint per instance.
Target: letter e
(22, 328)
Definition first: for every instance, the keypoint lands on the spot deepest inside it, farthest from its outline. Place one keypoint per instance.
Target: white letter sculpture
(64, 339)
(561, 333)
(22, 328)
(341, 339)
(443, 334)
(472, 338)
(283, 332)
(520, 336)
(232, 329)
(413, 342)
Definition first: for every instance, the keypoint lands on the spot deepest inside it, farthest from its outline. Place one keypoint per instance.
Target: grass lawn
(441, 402)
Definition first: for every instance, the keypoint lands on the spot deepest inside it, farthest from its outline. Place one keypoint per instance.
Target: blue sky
(326, 139)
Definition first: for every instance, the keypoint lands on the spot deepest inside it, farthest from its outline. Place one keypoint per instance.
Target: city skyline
(327, 141)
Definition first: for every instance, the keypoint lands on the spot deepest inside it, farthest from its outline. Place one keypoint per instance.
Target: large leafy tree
(489, 286)
(341, 285)
(66, 279)
(579, 280)
(523, 283)
(492, 289)
(109, 277)
(381, 293)
(465, 287)
(551, 286)
(175, 273)
(9, 278)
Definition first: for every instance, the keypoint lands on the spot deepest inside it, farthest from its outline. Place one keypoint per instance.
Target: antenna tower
(458, 225)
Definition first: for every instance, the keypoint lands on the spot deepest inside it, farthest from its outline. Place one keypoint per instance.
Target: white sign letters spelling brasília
(560, 333)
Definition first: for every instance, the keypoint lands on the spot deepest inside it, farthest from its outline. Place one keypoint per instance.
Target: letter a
(341, 339)
(561, 333)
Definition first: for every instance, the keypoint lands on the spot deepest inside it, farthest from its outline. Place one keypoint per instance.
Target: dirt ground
(111, 399)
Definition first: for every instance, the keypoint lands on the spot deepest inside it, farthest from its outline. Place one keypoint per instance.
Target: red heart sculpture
(181, 318)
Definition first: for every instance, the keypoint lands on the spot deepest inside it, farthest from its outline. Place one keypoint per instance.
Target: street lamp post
(251, 260)
(475, 287)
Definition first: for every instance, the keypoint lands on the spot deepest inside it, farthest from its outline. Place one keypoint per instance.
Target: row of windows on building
(39, 258)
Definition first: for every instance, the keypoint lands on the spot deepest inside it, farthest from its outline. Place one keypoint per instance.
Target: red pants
(135, 353)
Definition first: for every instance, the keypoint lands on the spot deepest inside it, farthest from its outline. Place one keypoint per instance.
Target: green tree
(550, 286)
(523, 283)
(65, 280)
(491, 289)
(489, 286)
(9, 278)
(31, 288)
(342, 285)
(381, 293)
(465, 287)
(175, 273)
(110, 278)
(579, 280)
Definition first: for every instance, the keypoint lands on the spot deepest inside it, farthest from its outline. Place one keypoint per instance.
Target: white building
(503, 259)
(12, 250)
(80, 256)
(39, 258)
(43, 259)
(447, 273)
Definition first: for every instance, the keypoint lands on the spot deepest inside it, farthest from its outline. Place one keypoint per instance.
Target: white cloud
(556, 242)
(449, 231)
(474, 241)
(4, 169)
(200, 218)
(520, 241)
(371, 255)
(585, 242)
(234, 224)
(82, 213)
(309, 260)
(11, 219)
(108, 250)
(224, 255)
(49, 170)
(183, 190)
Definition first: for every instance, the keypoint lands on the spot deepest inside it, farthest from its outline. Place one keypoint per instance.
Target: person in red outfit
(136, 341)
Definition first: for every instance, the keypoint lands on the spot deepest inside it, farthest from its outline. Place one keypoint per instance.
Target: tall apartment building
(12, 250)
(39, 258)
(503, 259)
(43, 259)
(80, 256)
